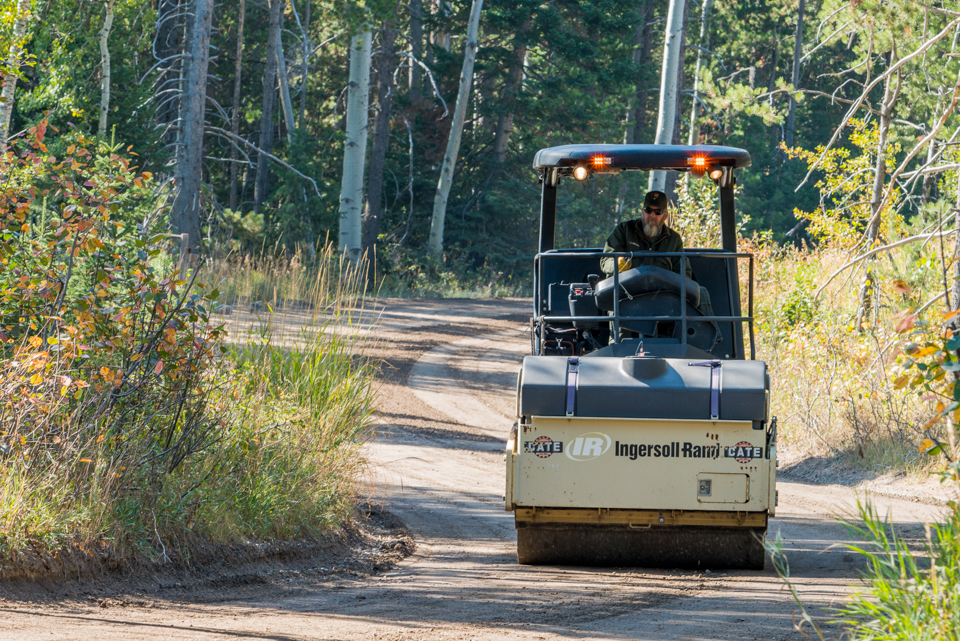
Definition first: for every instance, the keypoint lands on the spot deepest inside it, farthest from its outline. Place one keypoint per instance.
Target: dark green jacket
(629, 237)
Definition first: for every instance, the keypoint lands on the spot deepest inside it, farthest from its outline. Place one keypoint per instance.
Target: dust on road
(446, 406)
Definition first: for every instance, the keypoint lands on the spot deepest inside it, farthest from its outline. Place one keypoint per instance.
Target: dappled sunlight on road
(437, 463)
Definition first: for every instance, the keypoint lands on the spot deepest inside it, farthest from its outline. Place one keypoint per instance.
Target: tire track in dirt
(446, 406)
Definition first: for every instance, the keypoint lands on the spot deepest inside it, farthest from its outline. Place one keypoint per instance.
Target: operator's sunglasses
(651, 210)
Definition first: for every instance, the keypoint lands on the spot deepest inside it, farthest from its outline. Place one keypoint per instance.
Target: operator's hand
(623, 264)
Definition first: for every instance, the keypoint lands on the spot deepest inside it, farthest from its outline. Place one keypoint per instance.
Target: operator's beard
(652, 231)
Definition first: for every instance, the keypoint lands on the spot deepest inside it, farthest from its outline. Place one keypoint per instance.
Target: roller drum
(690, 548)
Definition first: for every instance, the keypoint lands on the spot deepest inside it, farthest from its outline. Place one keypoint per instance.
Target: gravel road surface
(446, 405)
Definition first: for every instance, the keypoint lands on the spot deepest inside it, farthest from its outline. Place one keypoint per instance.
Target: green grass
(909, 591)
(269, 449)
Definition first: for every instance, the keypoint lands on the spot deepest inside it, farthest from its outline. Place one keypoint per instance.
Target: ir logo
(588, 446)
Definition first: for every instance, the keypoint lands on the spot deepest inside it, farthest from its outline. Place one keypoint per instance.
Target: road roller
(643, 435)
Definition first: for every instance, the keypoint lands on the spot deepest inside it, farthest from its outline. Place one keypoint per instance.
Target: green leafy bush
(906, 597)
(125, 417)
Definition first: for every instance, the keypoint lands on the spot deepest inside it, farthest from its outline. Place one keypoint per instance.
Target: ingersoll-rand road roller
(643, 435)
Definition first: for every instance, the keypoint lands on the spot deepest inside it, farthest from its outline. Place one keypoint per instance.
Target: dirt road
(445, 410)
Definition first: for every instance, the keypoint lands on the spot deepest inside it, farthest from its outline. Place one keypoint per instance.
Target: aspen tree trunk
(879, 175)
(416, 49)
(235, 118)
(954, 304)
(791, 128)
(694, 136)
(285, 99)
(286, 102)
(187, 204)
(355, 146)
(955, 289)
(105, 70)
(306, 64)
(670, 184)
(677, 138)
(668, 85)
(381, 136)
(13, 61)
(435, 245)
(262, 184)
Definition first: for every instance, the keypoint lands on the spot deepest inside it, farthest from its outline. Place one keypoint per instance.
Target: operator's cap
(657, 199)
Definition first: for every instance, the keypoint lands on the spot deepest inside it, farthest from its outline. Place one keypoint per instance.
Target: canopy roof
(642, 157)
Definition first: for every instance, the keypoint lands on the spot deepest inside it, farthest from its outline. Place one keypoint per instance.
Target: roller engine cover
(609, 388)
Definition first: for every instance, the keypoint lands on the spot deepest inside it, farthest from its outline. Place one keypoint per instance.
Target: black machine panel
(718, 276)
(563, 269)
(562, 289)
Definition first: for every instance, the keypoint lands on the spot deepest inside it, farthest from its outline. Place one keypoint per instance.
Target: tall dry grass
(831, 382)
(832, 387)
(263, 442)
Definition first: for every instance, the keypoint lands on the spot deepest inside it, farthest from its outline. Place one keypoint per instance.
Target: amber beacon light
(698, 165)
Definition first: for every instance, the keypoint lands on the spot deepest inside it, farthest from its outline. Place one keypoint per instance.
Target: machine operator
(650, 233)
(647, 233)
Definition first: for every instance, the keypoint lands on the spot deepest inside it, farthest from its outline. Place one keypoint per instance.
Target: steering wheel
(646, 279)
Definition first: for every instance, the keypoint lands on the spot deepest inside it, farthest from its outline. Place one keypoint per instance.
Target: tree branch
(224, 132)
(899, 243)
(863, 96)
(916, 149)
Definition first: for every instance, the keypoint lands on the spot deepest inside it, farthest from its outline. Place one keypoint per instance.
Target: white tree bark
(105, 69)
(694, 137)
(355, 146)
(285, 101)
(307, 48)
(13, 61)
(668, 85)
(435, 244)
(189, 172)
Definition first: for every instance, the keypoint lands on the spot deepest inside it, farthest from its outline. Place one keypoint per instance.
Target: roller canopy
(641, 157)
(554, 162)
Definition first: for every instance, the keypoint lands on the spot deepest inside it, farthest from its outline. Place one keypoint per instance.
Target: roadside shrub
(905, 597)
(909, 591)
(125, 417)
(105, 373)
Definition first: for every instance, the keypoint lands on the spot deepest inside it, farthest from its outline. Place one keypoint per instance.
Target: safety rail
(616, 318)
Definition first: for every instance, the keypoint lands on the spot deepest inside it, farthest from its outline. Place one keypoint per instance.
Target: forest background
(280, 135)
(545, 74)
